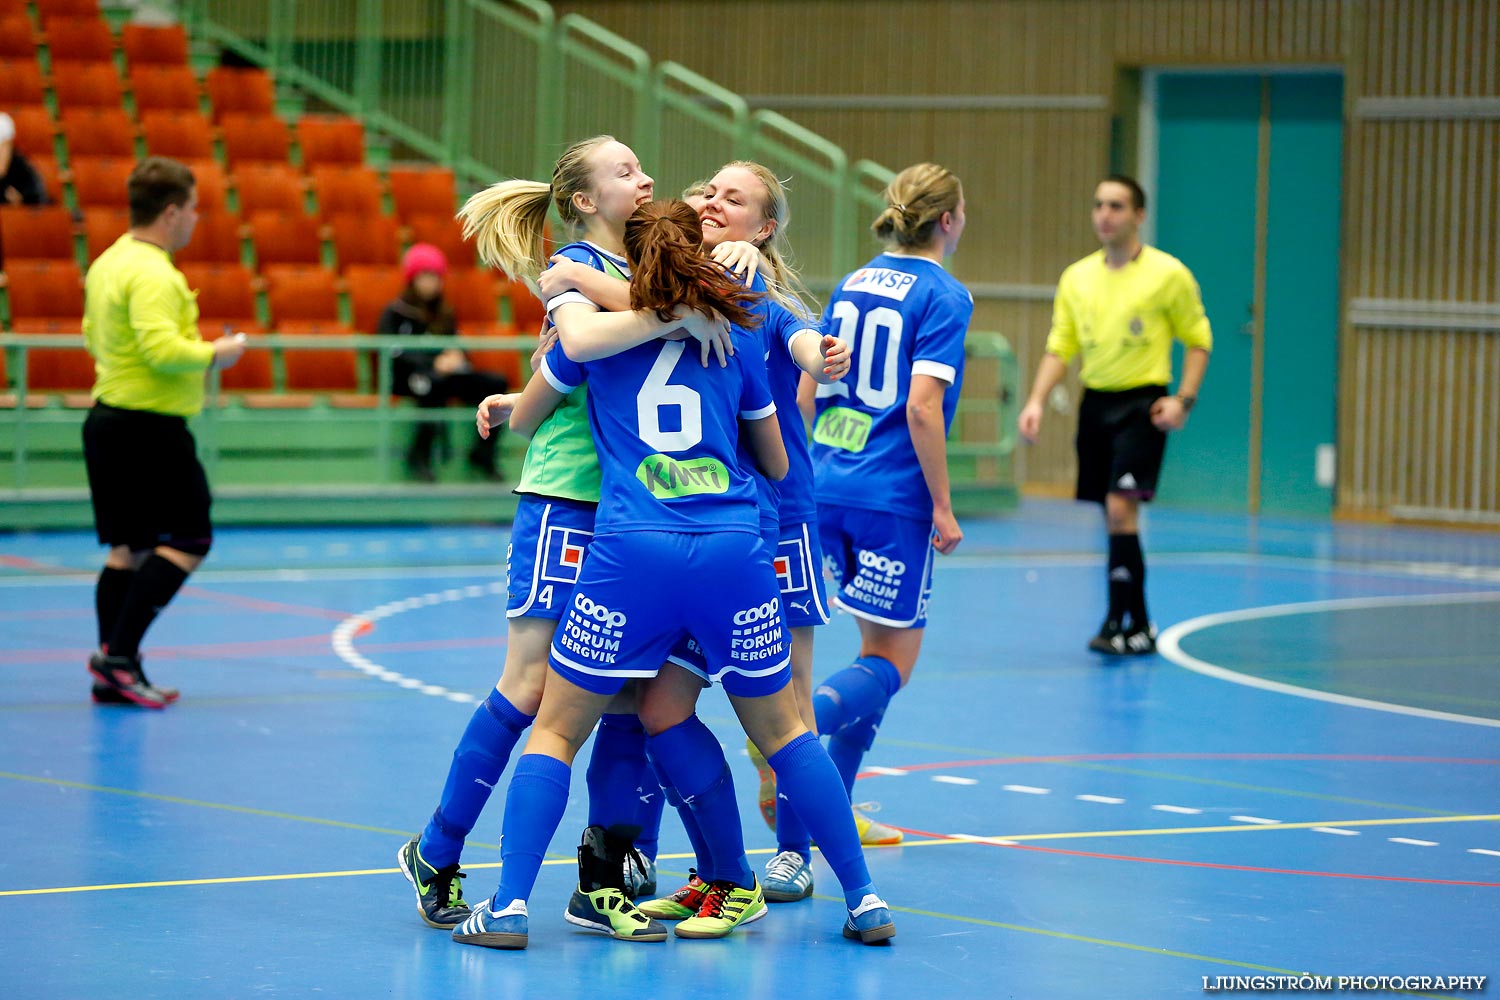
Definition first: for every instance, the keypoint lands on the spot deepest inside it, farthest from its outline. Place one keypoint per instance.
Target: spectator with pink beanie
(434, 375)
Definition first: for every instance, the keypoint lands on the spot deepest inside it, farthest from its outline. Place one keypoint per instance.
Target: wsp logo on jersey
(881, 281)
(666, 478)
(598, 612)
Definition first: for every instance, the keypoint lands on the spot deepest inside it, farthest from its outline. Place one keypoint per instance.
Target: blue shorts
(642, 592)
(882, 563)
(548, 541)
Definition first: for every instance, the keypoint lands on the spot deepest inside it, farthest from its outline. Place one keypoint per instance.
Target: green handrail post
(369, 22)
(384, 379)
(458, 70)
(280, 29)
(22, 388)
(707, 92)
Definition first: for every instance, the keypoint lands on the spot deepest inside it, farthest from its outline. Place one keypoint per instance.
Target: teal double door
(1248, 186)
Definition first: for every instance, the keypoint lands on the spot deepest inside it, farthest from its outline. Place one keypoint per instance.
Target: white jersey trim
(760, 414)
(553, 380)
(936, 369)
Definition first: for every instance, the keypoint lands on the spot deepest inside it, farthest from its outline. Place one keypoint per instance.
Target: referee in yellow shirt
(149, 492)
(1120, 307)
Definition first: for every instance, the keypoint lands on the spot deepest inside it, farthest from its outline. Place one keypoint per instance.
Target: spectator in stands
(150, 494)
(434, 375)
(20, 184)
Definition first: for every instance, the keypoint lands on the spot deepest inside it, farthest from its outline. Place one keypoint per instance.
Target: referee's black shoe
(1110, 640)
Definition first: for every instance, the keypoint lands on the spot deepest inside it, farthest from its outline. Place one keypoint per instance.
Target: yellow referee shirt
(141, 323)
(1124, 320)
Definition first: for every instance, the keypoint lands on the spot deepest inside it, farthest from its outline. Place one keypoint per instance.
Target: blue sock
(791, 832)
(533, 808)
(478, 761)
(847, 747)
(690, 756)
(812, 785)
(704, 858)
(861, 689)
(650, 800)
(616, 765)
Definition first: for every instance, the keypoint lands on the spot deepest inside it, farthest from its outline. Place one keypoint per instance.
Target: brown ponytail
(664, 243)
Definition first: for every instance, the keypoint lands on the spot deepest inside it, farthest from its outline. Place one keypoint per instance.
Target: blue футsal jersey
(667, 432)
(791, 499)
(902, 316)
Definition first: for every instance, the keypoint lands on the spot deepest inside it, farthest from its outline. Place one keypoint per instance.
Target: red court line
(256, 604)
(1203, 864)
(1083, 757)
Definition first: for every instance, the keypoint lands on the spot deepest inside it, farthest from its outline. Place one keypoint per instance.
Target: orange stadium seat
(317, 370)
(45, 292)
(86, 85)
(268, 187)
(46, 166)
(235, 91)
(301, 293)
(182, 135)
(474, 294)
(226, 292)
(101, 227)
(254, 138)
(330, 139)
(35, 128)
(79, 39)
(43, 232)
(98, 132)
(365, 239)
(101, 180)
(285, 239)
(163, 88)
(21, 84)
(423, 191)
(346, 190)
(156, 45)
(216, 240)
(17, 37)
(213, 186)
(371, 288)
(443, 232)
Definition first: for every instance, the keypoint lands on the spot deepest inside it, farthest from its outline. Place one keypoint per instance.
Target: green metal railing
(498, 89)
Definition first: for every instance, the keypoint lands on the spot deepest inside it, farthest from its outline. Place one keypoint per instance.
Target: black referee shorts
(1119, 449)
(146, 483)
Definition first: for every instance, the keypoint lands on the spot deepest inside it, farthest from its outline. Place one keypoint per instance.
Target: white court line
(949, 779)
(1169, 644)
(1183, 810)
(1414, 843)
(342, 638)
(1335, 830)
(1027, 789)
(1481, 850)
(1105, 799)
(892, 772)
(1255, 819)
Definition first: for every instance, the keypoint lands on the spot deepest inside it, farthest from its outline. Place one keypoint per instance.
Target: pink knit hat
(423, 257)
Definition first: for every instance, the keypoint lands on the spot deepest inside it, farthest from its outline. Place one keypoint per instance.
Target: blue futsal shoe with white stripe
(788, 878)
(870, 921)
(487, 928)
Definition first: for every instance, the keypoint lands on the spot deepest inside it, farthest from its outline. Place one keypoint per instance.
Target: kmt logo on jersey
(791, 565)
(563, 554)
(881, 281)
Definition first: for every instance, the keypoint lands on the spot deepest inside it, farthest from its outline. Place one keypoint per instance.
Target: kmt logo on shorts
(880, 563)
(598, 612)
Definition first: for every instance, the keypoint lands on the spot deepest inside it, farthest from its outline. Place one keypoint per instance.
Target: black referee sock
(156, 583)
(1127, 579)
(109, 598)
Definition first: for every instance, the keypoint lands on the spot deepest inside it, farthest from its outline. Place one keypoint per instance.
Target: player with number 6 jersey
(880, 454)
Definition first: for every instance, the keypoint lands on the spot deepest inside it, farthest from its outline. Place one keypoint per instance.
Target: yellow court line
(201, 804)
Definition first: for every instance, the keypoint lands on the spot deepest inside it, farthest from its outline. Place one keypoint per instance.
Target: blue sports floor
(1307, 780)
